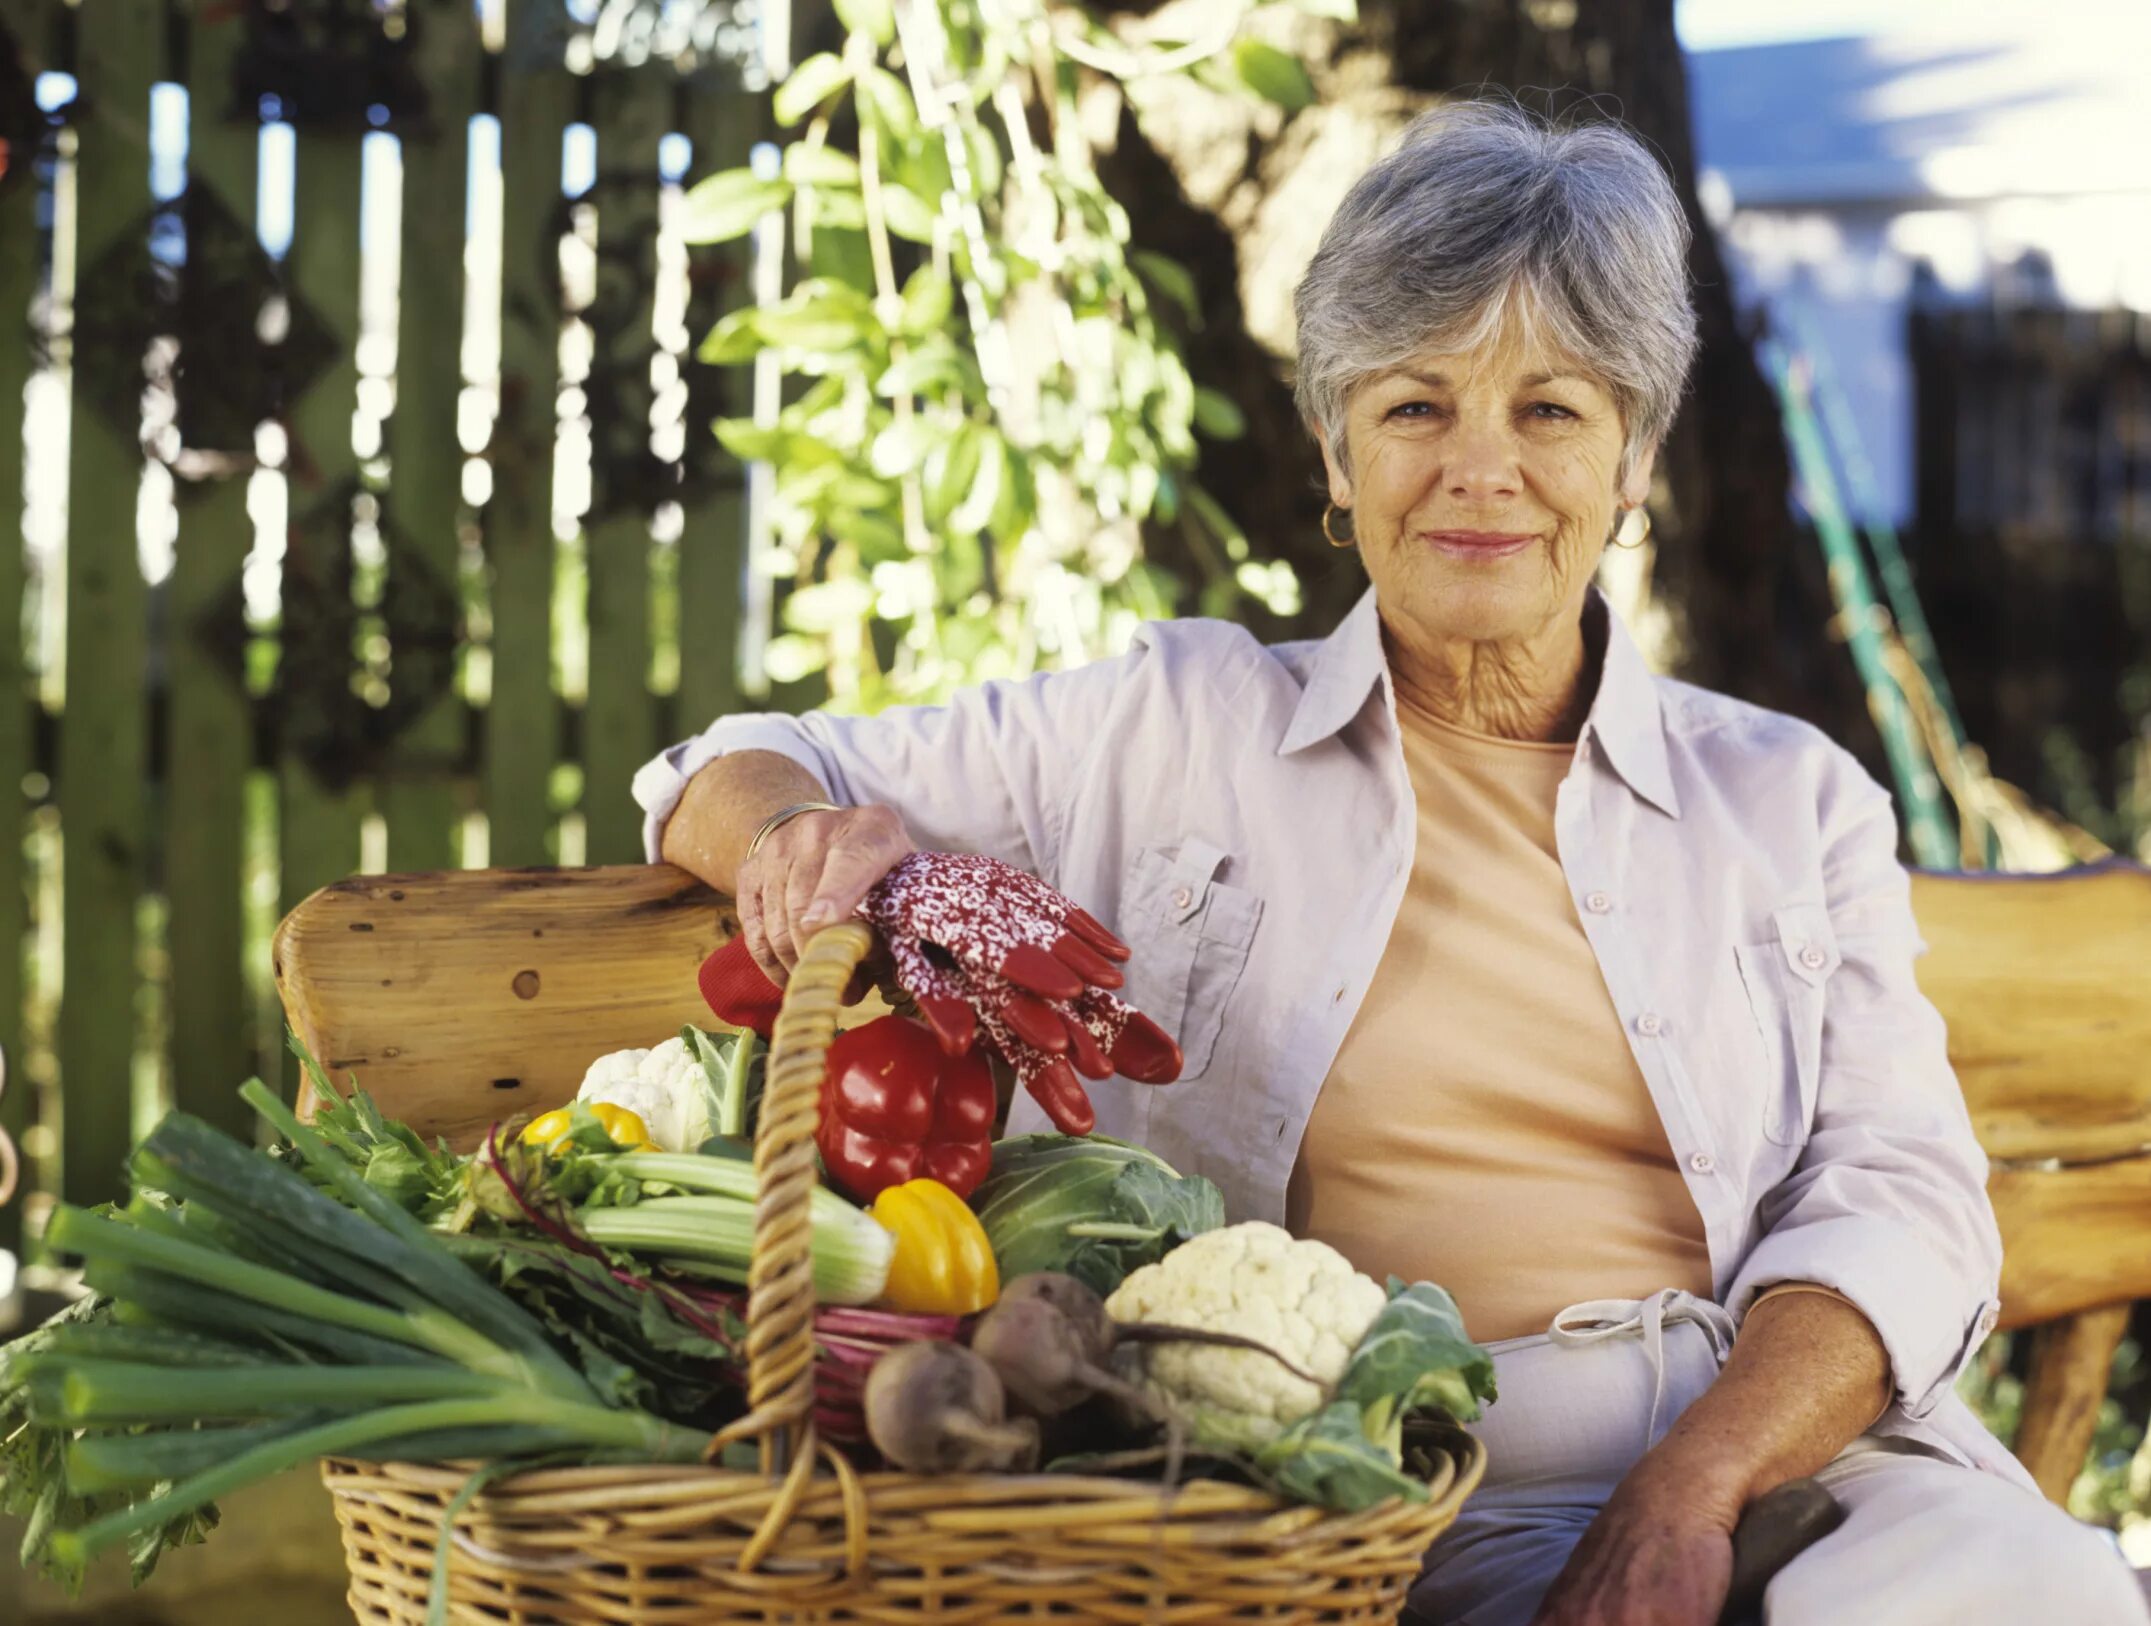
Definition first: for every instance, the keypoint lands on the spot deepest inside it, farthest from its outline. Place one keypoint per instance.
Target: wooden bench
(461, 997)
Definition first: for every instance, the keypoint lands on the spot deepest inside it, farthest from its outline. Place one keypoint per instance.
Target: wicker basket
(642, 1545)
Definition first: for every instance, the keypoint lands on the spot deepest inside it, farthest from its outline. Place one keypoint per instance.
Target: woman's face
(1519, 446)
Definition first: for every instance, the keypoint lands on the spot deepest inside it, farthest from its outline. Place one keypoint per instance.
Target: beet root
(937, 1408)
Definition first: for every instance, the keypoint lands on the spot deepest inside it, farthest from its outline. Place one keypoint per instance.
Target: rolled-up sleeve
(987, 773)
(1888, 1202)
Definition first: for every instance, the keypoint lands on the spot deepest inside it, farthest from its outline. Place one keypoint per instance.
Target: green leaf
(1172, 279)
(1272, 74)
(1218, 415)
(1210, 513)
(909, 216)
(819, 315)
(735, 339)
(823, 607)
(835, 208)
(727, 205)
(820, 166)
(791, 657)
(874, 18)
(885, 99)
(920, 369)
(1416, 1355)
(928, 299)
(980, 503)
(1327, 1459)
(902, 447)
(813, 82)
(951, 469)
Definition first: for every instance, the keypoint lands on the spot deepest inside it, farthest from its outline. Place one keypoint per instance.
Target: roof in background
(1931, 107)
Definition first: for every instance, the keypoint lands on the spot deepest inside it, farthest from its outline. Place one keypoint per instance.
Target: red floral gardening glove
(982, 946)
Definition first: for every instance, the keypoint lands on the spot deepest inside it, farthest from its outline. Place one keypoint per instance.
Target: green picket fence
(334, 589)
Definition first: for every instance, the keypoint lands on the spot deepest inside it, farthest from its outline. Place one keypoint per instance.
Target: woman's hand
(1660, 1553)
(814, 870)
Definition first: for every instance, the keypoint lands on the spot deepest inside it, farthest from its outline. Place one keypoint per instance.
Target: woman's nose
(1481, 463)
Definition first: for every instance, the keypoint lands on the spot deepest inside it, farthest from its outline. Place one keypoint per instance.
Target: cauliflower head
(1301, 1299)
(664, 1086)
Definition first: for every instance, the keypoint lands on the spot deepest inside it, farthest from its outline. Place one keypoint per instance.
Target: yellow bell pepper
(626, 1128)
(943, 1263)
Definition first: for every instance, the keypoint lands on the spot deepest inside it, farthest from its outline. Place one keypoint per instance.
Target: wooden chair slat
(2045, 982)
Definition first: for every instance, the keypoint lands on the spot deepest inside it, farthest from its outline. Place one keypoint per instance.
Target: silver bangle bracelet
(781, 815)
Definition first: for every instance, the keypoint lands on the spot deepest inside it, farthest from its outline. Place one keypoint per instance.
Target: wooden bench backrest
(460, 997)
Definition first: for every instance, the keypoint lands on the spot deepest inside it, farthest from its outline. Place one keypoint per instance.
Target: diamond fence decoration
(329, 63)
(322, 710)
(219, 295)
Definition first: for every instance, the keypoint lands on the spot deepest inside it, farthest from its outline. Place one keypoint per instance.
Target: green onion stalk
(257, 1322)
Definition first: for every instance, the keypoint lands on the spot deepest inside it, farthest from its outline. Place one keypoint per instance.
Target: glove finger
(1145, 1052)
(1056, 1088)
(1087, 963)
(953, 1021)
(1035, 1022)
(1032, 969)
(1081, 922)
(1084, 1051)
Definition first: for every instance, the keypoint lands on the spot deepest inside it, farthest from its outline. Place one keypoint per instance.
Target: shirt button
(1813, 958)
(1702, 1163)
(1650, 1024)
(1182, 898)
(1598, 903)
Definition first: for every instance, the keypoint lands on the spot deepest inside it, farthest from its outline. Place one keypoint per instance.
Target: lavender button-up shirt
(1241, 814)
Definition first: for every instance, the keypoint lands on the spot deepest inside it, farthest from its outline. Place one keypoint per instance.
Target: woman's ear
(1636, 489)
(1340, 484)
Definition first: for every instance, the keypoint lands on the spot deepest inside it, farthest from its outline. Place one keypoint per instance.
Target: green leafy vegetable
(1416, 1356)
(1093, 1207)
(1326, 1458)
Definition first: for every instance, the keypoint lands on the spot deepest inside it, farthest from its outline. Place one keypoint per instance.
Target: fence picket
(617, 736)
(722, 127)
(20, 250)
(319, 818)
(426, 460)
(210, 726)
(522, 717)
(102, 741)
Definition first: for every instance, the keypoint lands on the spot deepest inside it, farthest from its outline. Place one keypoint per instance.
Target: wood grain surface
(461, 997)
(2045, 982)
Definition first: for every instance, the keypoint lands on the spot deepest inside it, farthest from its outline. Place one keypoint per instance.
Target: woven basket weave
(640, 1546)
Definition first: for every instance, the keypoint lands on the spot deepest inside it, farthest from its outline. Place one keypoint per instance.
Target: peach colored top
(1485, 1124)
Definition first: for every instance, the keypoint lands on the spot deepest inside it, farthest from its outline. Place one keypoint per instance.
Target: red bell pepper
(895, 1107)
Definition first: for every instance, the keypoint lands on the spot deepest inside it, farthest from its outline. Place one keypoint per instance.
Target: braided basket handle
(780, 1273)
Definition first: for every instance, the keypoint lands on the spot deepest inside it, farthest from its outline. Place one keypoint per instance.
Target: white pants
(1925, 1542)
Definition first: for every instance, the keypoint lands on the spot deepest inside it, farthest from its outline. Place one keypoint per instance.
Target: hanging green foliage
(986, 409)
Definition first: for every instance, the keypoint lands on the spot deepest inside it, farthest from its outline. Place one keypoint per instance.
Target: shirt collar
(1625, 714)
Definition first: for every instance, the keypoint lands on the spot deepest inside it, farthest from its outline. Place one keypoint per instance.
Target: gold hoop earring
(1345, 516)
(1642, 535)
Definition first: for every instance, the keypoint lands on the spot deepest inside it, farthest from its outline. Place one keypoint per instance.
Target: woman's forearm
(722, 807)
(1806, 1377)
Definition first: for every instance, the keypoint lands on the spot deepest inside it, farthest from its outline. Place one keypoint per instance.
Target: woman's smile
(1479, 547)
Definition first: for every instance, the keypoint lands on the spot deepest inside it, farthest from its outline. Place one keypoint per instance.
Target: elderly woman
(1496, 960)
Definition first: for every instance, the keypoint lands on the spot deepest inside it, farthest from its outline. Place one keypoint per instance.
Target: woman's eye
(1411, 409)
(1551, 406)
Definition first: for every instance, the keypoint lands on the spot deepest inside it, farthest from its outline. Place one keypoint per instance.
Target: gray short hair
(1487, 209)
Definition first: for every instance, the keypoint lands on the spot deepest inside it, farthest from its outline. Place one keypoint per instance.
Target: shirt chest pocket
(1190, 933)
(1787, 980)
